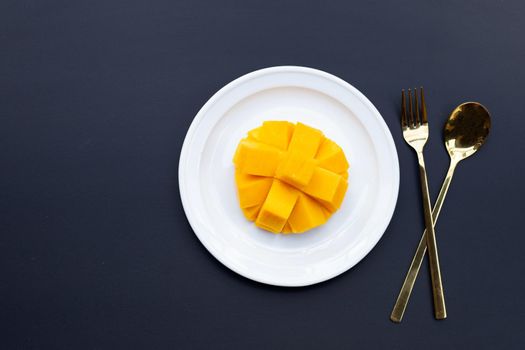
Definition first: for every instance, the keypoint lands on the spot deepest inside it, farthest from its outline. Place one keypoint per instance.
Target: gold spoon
(465, 131)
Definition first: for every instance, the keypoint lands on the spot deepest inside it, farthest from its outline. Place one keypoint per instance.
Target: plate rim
(242, 79)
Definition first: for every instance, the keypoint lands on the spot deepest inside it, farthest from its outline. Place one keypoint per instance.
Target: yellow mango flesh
(277, 207)
(287, 229)
(274, 133)
(289, 177)
(331, 157)
(327, 187)
(295, 169)
(251, 212)
(306, 214)
(306, 140)
(254, 158)
(252, 189)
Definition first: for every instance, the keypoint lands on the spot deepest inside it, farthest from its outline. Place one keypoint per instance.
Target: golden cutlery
(465, 131)
(415, 132)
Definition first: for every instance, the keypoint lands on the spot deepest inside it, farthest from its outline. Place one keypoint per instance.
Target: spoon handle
(410, 279)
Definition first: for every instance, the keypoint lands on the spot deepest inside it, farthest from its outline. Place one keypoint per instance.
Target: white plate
(316, 98)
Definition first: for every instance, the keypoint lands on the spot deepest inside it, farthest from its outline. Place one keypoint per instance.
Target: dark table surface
(95, 100)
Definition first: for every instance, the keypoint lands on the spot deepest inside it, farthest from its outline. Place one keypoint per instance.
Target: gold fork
(415, 132)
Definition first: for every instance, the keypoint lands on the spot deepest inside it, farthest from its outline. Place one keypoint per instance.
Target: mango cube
(331, 157)
(254, 158)
(252, 189)
(327, 187)
(306, 140)
(295, 169)
(274, 133)
(277, 207)
(306, 214)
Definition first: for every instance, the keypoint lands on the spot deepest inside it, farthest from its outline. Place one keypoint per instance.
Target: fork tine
(403, 110)
(410, 110)
(417, 120)
(423, 108)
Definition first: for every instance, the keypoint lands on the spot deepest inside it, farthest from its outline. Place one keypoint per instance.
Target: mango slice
(295, 169)
(277, 207)
(274, 133)
(329, 188)
(306, 214)
(252, 189)
(290, 178)
(306, 140)
(331, 157)
(254, 158)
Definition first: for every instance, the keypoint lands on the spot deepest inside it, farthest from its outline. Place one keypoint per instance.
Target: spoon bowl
(466, 130)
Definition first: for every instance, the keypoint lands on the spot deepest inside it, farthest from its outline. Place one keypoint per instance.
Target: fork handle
(440, 311)
(410, 279)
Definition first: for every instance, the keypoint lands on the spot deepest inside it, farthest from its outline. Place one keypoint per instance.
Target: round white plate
(318, 99)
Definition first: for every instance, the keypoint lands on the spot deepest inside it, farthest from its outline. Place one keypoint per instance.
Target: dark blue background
(95, 100)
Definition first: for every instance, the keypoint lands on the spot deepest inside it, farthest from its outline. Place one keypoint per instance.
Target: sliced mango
(277, 207)
(306, 214)
(306, 140)
(331, 157)
(251, 212)
(327, 187)
(289, 178)
(252, 189)
(254, 158)
(274, 133)
(295, 169)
